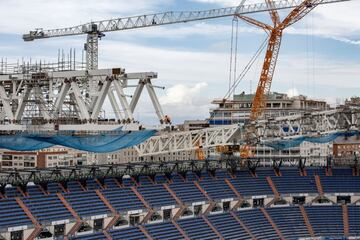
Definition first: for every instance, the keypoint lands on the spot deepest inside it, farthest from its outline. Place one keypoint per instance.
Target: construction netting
(290, 143)
(91, 143)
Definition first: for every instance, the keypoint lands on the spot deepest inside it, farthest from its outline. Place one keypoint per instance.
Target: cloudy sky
(319, 57)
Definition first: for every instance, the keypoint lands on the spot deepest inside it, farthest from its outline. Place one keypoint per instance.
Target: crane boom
(95, 30)
(164, 18)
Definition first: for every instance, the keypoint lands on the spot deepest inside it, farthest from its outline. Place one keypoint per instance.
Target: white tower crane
(96, 30)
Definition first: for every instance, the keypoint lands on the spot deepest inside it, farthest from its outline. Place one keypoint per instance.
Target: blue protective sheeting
(285, 144)
(91, 143)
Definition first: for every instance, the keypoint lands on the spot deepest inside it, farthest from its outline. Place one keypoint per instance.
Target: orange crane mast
(264, 85)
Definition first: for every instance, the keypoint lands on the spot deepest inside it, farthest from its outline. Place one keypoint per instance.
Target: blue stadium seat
(311, 171)
(354, 220)
(91, 184)
(228, 226)
(187, 192)
(163, 231)
(341, 184)
(287, 171)
(11, 215)
(11, 192)
(144, 180)
(34, 191)
(53, 187)
(196, 228)
(74, 186)
(156, 195)
(122, 199)
(290, 184)
(132, 233)
(341, 171)
(161, 179)
(326, 220)
(47, 209)
(289, 221)
(86, 203)
(265, 172)
(217, 189)
(256, 222)
(111, 183)
(251, 186)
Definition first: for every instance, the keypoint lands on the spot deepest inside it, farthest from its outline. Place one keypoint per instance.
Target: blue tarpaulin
(92, 143)
(285, 144)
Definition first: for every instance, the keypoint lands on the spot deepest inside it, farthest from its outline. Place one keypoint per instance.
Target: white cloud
(292, 92)
(186, 101)
(181, 94)
(20, 16)
(338, 21)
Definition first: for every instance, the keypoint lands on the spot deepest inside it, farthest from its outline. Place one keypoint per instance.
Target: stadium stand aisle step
(228, 227)
(156, 195)
(217, 189)
(146, 204)
(133, 233)
(47, 209)
(173, 194)
(306, 220)
(289, 221)
(143, 230)
(112, 222)
(242, 225)
(278, 232)
(141, 198)
(123, 199)
(212, 227)
(202, 190)
(165, 230)
(196, 228)
(258, 224)
(105, 201)
(238, 195)
(329, 171)
(107, 235)
(183, 233)
(354, 220)
(187, 192)
(68, 206)
(63, 188)
(86, 203)
(24, 194)
(273, 188)
(345, 214)
(318, 185)
(326, 220)
(78, 223)
(38, 228)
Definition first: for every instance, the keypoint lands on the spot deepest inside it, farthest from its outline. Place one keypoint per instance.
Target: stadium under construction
(229, 196)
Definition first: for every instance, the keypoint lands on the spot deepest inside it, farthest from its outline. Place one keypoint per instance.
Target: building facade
(46, 158)
(237, 111)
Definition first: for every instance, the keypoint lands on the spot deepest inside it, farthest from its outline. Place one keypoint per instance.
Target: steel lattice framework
(72, 100)
(315, 124)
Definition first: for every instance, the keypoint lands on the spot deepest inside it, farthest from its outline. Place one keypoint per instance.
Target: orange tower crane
(275, 35)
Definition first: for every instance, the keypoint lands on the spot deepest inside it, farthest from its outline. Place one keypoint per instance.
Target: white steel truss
(189, 140)
(71, 100)
(314, 124)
